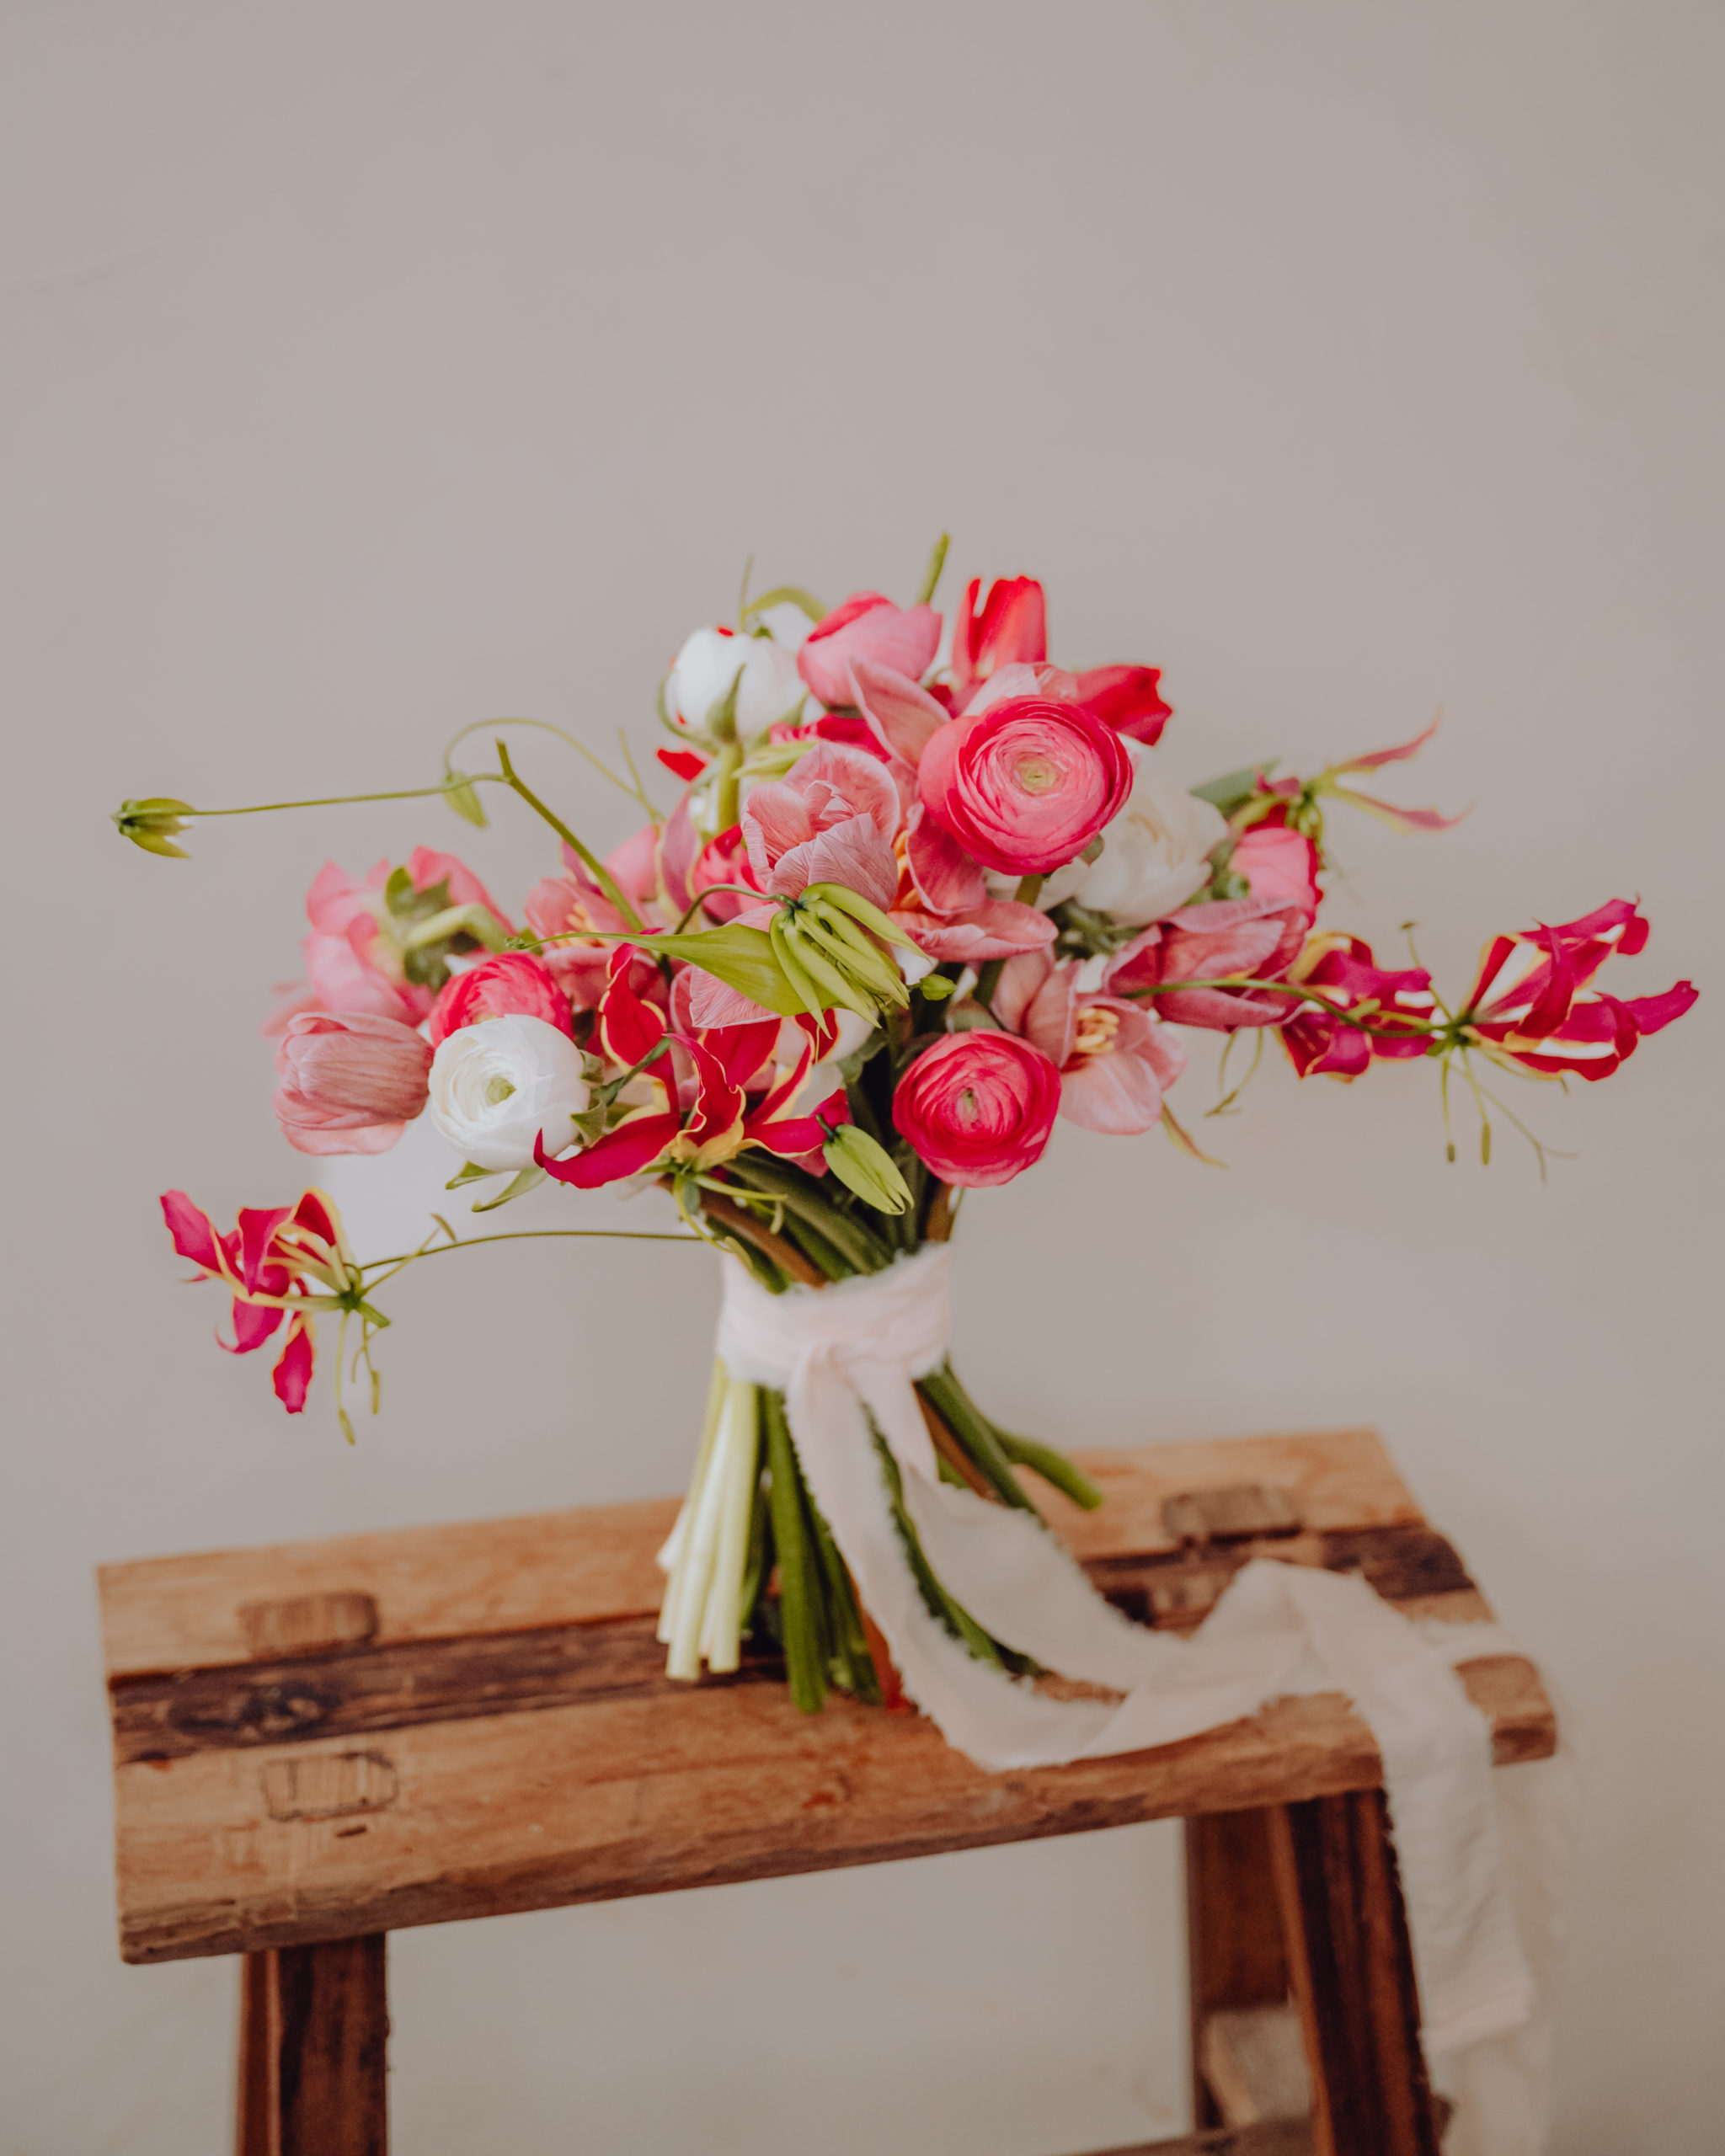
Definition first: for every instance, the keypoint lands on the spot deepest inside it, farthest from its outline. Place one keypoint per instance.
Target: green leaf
(790, 594)
(470, 1173)
(860, 909)
(528, 1178)
(865, 1166)
(931, 575)
(743, 958)
(1184, 1140)
(1236, 788)
(465, 800)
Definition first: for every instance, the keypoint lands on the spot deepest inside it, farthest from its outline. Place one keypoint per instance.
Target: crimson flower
(1531, 1006)
(705, 1113)
(1399, 1007)
(267, 1261)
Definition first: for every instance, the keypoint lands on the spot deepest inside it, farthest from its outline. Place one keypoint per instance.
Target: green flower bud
(154, 824)
(868, 1168)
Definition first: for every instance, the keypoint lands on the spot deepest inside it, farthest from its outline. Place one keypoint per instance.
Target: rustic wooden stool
(319, 1742)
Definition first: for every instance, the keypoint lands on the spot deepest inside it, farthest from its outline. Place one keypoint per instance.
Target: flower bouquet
(908, 910)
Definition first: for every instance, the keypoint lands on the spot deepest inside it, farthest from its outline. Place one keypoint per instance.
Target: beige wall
(372, 368)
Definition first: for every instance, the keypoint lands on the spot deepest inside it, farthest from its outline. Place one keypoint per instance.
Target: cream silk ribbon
(845, 1358)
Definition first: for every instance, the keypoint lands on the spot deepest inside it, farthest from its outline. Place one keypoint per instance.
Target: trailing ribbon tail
(847, 1358)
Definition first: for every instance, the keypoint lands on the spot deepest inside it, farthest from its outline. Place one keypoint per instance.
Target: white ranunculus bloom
(702, 672)
(1155, 854)
(496, 1085)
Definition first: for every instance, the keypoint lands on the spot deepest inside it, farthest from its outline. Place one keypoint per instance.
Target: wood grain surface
(449, 1763)
(581, 1567)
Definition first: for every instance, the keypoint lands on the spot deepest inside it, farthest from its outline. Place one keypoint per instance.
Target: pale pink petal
(948, 880)
(1001, 929)
(903, 715)
(1021, 979)
(1115, 1094)
(852, 853)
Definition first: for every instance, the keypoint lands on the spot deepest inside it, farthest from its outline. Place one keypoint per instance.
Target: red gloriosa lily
(267, 1261)
(1531, 1005)
(1322, 1044)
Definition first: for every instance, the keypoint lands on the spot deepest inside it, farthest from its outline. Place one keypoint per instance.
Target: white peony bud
(702, 672)
(1155, 854)
(496, 1085)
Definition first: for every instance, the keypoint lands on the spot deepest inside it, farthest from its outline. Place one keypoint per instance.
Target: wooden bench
(319, 1742)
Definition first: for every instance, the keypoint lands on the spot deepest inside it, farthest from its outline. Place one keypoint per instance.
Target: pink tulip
(1116, 1059)
(1279, 866)
(723, 860)
(977, 1107)
(571, 908)
(1024, 785)
(1127, 699)
(353, 962)
(511, 983)
(350, 1082)
(1011, 627)
(832, 819)
(1248, 936)
(866, 626)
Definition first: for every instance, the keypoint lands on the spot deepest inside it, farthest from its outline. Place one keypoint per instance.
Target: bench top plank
(596, 1564)
(234, 1833)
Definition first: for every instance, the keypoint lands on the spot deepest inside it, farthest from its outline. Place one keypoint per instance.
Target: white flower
(822, 1078)
(1155, 854)
(496, 1085)
(702, 672)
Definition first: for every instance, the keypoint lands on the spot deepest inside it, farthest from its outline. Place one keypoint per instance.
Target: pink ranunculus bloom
(977, 1107)
(1026, 784)
(867, 626)
(1278, 865)
(1532, 1005)
(1248, 936)
(725, 859)
(831, 819)
(1115, 1059)
(350, 1082)
(1010, 628)
(1322, 1044)
(509, 983)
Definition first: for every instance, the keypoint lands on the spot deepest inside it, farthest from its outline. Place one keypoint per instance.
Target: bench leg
(1234, 1947)
(314, 2024)
(1352, 1976)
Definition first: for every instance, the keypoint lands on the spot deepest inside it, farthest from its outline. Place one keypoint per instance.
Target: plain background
(370, 369)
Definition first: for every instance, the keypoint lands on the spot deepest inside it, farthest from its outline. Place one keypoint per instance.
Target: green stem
(530, 1235)
(1399, 1031)
(866, 1252)
(636, 792)
(975, 1433)
(804, 1662)
(595, 868)
(931, 575)
(341, 800)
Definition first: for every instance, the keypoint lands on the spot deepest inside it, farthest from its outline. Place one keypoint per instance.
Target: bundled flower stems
(905, 911)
